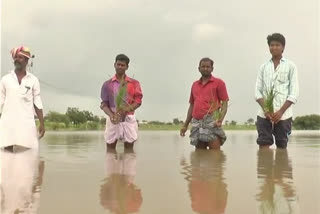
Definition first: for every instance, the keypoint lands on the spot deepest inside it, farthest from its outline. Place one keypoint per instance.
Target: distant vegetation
(75, 119)
(308, 122)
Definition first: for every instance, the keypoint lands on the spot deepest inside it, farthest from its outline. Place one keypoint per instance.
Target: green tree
(53, 116)
(90, 117)
(250, 121)
(92, 125)
(233, 123)
(176, 121)
(308, 122)
(75, 116)
(103, 121)
(155, 123)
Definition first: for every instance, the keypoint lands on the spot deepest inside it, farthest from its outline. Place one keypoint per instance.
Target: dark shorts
(280, 131)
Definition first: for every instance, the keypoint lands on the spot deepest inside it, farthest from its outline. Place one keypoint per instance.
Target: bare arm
(277, 116)
(132, 107)
(39, 113)
(187, 121)
(104, 107)
(285, 106)
(113, 117)
(266, 113)
(261, 102)
(189, 116)
(224, 109)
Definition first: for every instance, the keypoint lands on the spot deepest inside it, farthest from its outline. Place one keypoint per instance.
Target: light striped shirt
(284, 79)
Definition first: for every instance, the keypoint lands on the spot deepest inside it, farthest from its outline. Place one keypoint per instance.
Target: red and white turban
(21, 50)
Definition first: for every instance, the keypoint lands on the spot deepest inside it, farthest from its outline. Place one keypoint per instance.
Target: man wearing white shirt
(19, 99)
(280, 74)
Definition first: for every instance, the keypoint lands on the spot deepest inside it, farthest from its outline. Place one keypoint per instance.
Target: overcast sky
(75, 43)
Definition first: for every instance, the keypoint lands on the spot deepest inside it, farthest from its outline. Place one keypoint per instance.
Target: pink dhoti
(126, 131)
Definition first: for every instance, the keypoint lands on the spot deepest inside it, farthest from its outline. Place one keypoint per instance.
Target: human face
(276, 48)
(205, 68)
(120, 67)
(20, 62)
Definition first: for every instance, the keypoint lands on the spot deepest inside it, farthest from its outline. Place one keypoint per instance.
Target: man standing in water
(208, 96)
(121, 96)
(19, 98)
(281, 75)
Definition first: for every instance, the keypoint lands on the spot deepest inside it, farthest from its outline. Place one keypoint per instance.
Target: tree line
(83, 119)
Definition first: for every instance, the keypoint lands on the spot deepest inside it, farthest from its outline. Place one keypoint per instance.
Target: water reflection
(21, 180)
(276, 193)
(205, 176)
(118, 193)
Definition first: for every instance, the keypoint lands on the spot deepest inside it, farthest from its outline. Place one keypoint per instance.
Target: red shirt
(203, 96)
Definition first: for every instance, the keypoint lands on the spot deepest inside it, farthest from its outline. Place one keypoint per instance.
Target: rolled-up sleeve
(36, 95)
(2, 94)
(138, 93)
(259, 84)
(293, 85)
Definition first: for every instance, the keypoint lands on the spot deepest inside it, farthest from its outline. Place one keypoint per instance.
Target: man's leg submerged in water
(215, 145)
(111, 146)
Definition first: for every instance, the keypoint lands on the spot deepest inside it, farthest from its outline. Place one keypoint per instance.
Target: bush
(55, 126)
(308, 122)
(156, 123)
(233, 123)
(57, 117)
(92, 125)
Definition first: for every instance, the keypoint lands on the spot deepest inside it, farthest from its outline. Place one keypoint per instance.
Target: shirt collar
(212, 79)
(126, 78)
(14, 73)
(281, 60)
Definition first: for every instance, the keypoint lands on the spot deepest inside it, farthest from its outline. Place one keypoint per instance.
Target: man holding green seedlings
(208, 107)
(120, 97)
(276, 90)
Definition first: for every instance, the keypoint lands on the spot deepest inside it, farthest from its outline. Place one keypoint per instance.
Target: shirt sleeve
(104, 93)
(191, 99)
(259, 84)
(222, 91)
(138, 93)
(293, 85)
(2, 94)
(36, 95)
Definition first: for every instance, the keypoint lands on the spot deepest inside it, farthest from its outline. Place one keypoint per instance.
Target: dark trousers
(280, 131)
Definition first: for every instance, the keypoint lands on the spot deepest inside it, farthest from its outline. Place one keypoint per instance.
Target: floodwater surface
(73, 173)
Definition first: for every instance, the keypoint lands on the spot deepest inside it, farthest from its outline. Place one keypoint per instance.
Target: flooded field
(164, 174)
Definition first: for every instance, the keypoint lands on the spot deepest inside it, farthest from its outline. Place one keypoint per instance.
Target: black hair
(206, 59)
(276, 37)
(123, 58)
